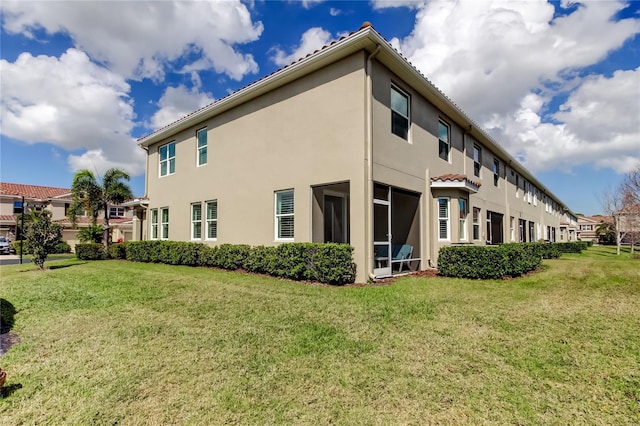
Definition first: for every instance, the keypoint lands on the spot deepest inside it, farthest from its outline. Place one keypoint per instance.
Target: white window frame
(512, 230)
(279, 216)
(211, 220)
(196, 223)
(448, 142)
(477, 161)
(164, 226)
(169, 160)
(118, 211)
(462, 220)
(406, 117)
(444, 219)
(154, 224)
(476, 223)
(200, 148)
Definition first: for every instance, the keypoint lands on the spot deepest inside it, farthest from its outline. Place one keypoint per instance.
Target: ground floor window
(512, 231)
(196, 221)
(443, 219)
(154, 224)
(476, 223)
(212, 220)
(522, 226)
(284, 215)
(462, 225)
(164, 223)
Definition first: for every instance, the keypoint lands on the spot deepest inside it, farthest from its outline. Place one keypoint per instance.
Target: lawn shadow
(66, 266)
(6, 391)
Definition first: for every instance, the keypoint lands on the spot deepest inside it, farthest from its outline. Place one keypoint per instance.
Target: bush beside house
(327, 263)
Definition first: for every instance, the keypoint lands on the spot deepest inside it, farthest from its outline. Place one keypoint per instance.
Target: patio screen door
(381, 238)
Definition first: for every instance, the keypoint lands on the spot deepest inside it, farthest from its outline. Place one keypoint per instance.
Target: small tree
(42, 237)
(606, 233)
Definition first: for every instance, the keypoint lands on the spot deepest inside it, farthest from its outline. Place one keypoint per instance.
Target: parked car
(5, 247)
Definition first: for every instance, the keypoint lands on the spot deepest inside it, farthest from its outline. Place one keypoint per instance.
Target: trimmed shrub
(62, 247)
(328, 263)
(491, 262)
(258, 259)
(7, 314)
(118, 250)
(91, 251)
(571, 246)
(231, 256)
(15, 245)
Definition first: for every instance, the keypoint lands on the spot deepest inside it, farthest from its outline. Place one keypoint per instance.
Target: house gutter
(368, 248)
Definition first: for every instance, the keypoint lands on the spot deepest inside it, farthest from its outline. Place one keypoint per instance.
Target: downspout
(369, 142)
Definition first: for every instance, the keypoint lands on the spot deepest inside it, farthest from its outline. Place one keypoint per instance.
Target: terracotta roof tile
(86, 220)
(451, 177)
(32, 191)
(7, 217)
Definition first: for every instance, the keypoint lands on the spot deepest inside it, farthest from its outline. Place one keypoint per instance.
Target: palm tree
(95, 197)
(606, 233)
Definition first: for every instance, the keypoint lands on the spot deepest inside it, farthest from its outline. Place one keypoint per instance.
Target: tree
(623, 205)
(95, 197)
(91, 234)
(606, 233)
(42, 237)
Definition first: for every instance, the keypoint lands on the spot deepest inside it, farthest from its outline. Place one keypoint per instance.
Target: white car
(5, 247)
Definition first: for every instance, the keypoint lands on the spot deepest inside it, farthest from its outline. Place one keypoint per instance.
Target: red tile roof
(7, 217)
(32, 191)
(86, 220)
(454, 178)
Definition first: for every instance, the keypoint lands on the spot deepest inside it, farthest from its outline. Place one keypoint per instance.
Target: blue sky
(557, 84)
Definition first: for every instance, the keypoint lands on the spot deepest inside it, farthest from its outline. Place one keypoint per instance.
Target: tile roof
(32, 191)
(87, 220)
(450, 177)
(7, 217)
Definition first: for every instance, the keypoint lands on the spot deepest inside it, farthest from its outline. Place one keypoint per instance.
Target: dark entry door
(335, 214)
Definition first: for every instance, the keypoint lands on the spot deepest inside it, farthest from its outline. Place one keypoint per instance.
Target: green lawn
(137, 344)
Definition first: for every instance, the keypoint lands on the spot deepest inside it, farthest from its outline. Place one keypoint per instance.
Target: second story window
(496, 171)
(399, 113)
(116, 211)
(443, 137)
(168, 159)
(477, 160)
(201, 136)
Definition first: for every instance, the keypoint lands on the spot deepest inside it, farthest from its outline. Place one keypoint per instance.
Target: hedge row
(327, 263)
(489, 262)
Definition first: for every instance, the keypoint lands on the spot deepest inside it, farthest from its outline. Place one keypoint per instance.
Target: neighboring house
(587, 226)
(350, 144)
(57, 201)
(628, 224)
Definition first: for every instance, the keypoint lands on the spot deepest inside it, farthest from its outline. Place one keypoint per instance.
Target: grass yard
(136, 344)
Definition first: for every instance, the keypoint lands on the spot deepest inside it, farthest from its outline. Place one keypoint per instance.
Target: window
(521, 230)
(496, 171)
(512, 231)
(116, 212)
(443, 137)
(443, 218)
(462, 228)
(476, 223)
(535, 196)
(196, 221)
(284, 215)
(212, 219)
(201, 136)
(517, 186)
(168, 159)
(477, 160)
(164, 223)
(154, 224)
(399, 113)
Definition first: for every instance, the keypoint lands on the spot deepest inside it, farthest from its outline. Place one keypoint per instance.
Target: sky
(557, 84)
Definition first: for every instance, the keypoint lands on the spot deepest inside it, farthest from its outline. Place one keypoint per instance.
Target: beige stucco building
(350, 144)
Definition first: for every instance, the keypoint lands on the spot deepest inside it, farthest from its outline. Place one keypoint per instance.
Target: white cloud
(139, 39)
(313, 39)
(334, 12)
(308, 4)
(384, 4)
(176, 102)
(503, 62)
(69, 102)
